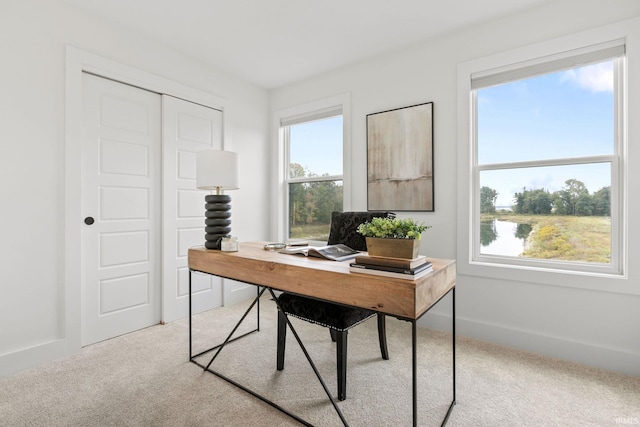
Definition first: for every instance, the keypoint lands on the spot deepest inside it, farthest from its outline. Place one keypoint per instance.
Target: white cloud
(595, 78)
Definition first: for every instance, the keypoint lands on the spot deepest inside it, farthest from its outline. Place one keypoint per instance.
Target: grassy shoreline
(567, 238)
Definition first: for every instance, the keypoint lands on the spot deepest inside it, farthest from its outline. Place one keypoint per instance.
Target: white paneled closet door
(121, 281)
(141, 210)
(187, 129)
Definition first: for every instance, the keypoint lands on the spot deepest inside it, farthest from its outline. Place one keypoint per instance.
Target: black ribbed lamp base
(217, 222)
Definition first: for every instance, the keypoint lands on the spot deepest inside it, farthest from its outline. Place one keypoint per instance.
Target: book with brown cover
(392, 271)
(391, 262)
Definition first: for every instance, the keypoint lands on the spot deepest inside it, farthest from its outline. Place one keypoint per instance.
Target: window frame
(316, 110)
(285, 126)
(580, 275)
(566, 60)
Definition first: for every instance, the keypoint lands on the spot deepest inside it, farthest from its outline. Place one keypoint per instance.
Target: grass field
(567, 238)
(318, 232)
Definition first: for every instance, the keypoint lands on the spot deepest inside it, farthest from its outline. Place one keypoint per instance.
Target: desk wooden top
(328, 280)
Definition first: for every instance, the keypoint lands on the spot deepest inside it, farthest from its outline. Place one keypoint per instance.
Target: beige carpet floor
(144, 379)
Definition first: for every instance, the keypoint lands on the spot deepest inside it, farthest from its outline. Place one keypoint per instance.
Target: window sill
(608, 281)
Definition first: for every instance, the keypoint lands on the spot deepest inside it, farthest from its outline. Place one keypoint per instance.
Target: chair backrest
(344, 226)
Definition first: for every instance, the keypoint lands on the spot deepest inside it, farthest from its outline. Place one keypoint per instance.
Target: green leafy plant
(392, 228)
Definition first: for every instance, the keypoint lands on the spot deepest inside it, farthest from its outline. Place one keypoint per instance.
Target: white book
(337, 252)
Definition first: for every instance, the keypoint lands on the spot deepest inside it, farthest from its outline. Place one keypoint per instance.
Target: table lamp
(216, 170)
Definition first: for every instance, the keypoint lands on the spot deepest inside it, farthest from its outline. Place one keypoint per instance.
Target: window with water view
(547, 164)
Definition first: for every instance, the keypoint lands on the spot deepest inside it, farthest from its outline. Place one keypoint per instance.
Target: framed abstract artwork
(400, 159)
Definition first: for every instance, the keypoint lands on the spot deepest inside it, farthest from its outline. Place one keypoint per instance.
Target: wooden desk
(332, 281)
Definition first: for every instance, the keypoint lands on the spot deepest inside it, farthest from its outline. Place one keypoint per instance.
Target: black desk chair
(339, 319)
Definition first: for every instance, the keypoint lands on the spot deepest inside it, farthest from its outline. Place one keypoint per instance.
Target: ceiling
(272, 43)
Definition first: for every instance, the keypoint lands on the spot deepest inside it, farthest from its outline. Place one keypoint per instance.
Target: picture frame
(400, 159)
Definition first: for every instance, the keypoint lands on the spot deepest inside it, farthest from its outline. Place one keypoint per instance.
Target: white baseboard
(611, 359)
(10, 363)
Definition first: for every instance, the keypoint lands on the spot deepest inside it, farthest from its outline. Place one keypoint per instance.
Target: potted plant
(393, 237)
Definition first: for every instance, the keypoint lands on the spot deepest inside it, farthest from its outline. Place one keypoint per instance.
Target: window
(313, 149)
(546, 162)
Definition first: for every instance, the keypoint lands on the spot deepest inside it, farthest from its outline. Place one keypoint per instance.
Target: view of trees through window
(314, 177)
(545, 154)
(573, 199)
(571, 224)
(310, 207)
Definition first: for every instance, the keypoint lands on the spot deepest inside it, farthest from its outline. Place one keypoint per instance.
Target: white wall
(592, 327)
(33, 37)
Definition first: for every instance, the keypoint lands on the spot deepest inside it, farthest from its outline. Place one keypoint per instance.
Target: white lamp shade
(216, 169)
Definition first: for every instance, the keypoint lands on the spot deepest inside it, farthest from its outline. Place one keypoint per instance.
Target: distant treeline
(312, 202)
(572, 199)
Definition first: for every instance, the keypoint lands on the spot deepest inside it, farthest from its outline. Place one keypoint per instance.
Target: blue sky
(564, 114)
(560, 115)
(317, 146)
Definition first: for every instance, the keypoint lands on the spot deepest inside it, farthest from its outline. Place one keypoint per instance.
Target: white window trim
(605, 281)
(298, 114)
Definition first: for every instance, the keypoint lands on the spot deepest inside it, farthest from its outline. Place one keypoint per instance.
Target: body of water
(503, 237)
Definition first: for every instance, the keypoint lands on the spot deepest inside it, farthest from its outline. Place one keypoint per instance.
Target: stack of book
(401, 268)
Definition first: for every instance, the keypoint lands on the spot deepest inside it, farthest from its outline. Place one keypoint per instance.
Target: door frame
(77, 62)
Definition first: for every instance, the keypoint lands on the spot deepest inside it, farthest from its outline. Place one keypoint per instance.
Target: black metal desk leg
(415, 362)
(414, 372)
(233, 331)
(453, 340)
(453, 351)
(258, 316)
(190, 336)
